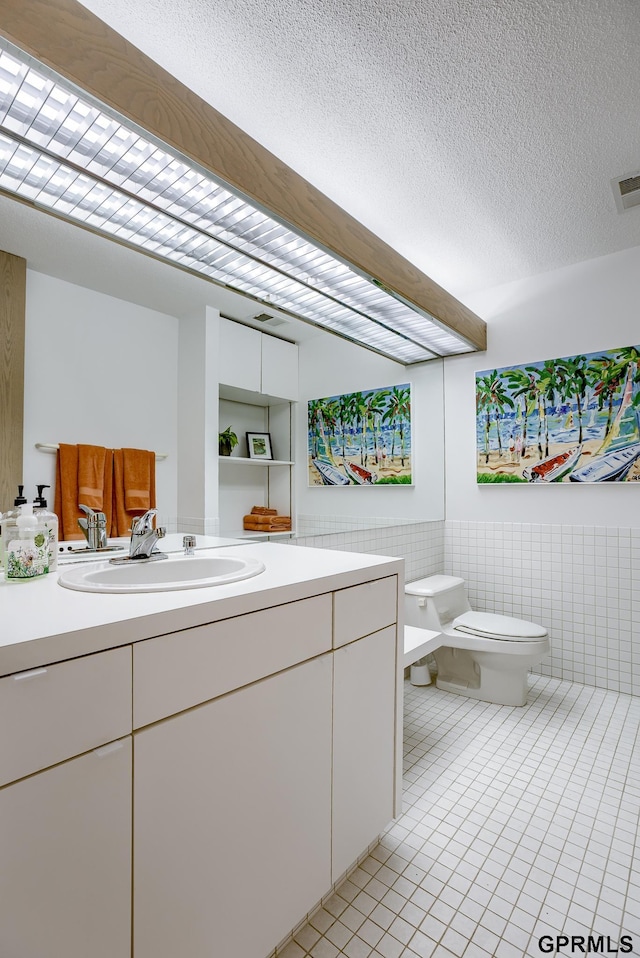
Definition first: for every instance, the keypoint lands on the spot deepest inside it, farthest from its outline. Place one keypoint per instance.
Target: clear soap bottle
(9, 515)
(26, 554)
(50, 521)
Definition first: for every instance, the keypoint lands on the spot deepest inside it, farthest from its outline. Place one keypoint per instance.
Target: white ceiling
(477, 137)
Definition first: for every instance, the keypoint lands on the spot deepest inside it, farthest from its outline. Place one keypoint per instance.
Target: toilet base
(514, 694)
(487, 676)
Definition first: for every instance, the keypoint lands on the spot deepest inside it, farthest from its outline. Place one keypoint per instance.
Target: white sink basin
(161, 575)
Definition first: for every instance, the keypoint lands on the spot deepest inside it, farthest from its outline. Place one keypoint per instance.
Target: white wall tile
(580, 582)
(421, 544)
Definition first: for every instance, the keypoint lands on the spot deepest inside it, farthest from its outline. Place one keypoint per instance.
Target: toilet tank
(432, 602)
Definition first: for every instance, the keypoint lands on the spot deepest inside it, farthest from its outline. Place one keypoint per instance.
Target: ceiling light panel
(101, 172)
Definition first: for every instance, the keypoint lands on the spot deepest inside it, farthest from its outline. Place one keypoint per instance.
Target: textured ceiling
(477, 137)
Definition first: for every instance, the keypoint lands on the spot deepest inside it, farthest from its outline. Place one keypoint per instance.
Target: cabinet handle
(29, 675)
(105, 750)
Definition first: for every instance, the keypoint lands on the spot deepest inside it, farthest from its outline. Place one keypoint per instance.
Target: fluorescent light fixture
(69, 155)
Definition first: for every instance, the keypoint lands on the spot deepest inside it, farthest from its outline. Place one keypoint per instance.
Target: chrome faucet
(144, 537)
(94, 528)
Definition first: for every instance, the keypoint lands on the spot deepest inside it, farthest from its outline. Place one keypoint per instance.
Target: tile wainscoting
(191, 524)
(580, 582)
(420, 544)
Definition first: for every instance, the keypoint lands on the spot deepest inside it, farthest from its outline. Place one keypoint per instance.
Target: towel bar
(53, 447)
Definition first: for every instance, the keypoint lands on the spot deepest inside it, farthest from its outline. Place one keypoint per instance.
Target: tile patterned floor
(517, 823)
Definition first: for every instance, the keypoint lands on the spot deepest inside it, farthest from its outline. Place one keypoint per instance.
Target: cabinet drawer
(363, 609)
(50, 714)
(201, 663)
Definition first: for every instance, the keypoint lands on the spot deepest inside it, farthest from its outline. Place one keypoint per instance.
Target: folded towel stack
(262, 519)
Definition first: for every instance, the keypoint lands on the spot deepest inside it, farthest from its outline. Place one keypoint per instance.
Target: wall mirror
(55, 248)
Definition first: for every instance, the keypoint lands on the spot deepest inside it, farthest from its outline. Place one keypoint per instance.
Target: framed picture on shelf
(259, 445)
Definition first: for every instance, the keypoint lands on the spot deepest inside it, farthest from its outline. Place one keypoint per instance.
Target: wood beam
(13, 281)
(76, 44)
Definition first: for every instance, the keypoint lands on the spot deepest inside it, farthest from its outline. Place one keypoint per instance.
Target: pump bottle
(50, 521)
(9, 515)
(26, 554)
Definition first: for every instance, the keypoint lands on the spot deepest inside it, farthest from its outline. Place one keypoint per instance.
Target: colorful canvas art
(573, 419)
(361, 438)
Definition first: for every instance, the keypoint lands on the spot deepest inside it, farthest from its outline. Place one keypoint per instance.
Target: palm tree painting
(572, 419)
(361, 438)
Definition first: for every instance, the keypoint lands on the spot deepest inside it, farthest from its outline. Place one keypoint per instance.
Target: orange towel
(84, 475)
(138, 466)
(65, 503)
(125, 496)
(252, 526)
(272, 520)
(91, 470)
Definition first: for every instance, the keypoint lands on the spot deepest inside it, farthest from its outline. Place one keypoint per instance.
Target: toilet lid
(498, 626)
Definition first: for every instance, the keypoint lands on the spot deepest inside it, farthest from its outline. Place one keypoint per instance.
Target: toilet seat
(491, 626)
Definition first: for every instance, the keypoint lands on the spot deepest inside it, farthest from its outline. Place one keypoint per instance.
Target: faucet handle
(93, 518)
(94, 527)
(140, 524)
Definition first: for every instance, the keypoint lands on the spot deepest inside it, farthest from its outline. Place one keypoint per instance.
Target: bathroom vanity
(189, 773)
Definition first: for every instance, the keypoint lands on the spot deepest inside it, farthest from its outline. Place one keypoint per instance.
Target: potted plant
(227, 441)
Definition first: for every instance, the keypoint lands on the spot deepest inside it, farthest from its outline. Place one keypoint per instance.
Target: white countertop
(42, 623)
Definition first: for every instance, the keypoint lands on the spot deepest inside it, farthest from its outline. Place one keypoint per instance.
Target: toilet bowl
(484, 656)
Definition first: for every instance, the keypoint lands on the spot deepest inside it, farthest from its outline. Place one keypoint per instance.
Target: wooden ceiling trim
(13, 282)
(76, 44)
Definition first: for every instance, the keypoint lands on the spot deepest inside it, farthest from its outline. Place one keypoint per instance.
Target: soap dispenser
(50, 521)
(26, 553)
(11, 514)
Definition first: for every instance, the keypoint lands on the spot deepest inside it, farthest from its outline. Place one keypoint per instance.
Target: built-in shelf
(255, 462)
(250, 482)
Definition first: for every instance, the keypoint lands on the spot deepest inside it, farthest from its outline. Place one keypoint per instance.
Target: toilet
(484, 656)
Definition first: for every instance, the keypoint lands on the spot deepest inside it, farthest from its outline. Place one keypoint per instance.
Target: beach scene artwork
(361, 438)
(573, 419)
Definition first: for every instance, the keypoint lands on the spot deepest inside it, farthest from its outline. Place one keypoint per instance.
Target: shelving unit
(257, 393)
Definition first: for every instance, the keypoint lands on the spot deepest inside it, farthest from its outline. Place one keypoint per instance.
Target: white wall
(98, 370)
(330, 366)
(198, 422)
(566, 555)
(583, 308)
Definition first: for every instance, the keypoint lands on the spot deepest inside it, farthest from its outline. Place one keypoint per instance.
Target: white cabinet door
(363, 745)
(65, 859)
(279, 368)
(240, 356)
(232, 805)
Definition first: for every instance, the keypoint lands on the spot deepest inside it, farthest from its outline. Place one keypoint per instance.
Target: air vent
(626, 190)
(267, 320)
